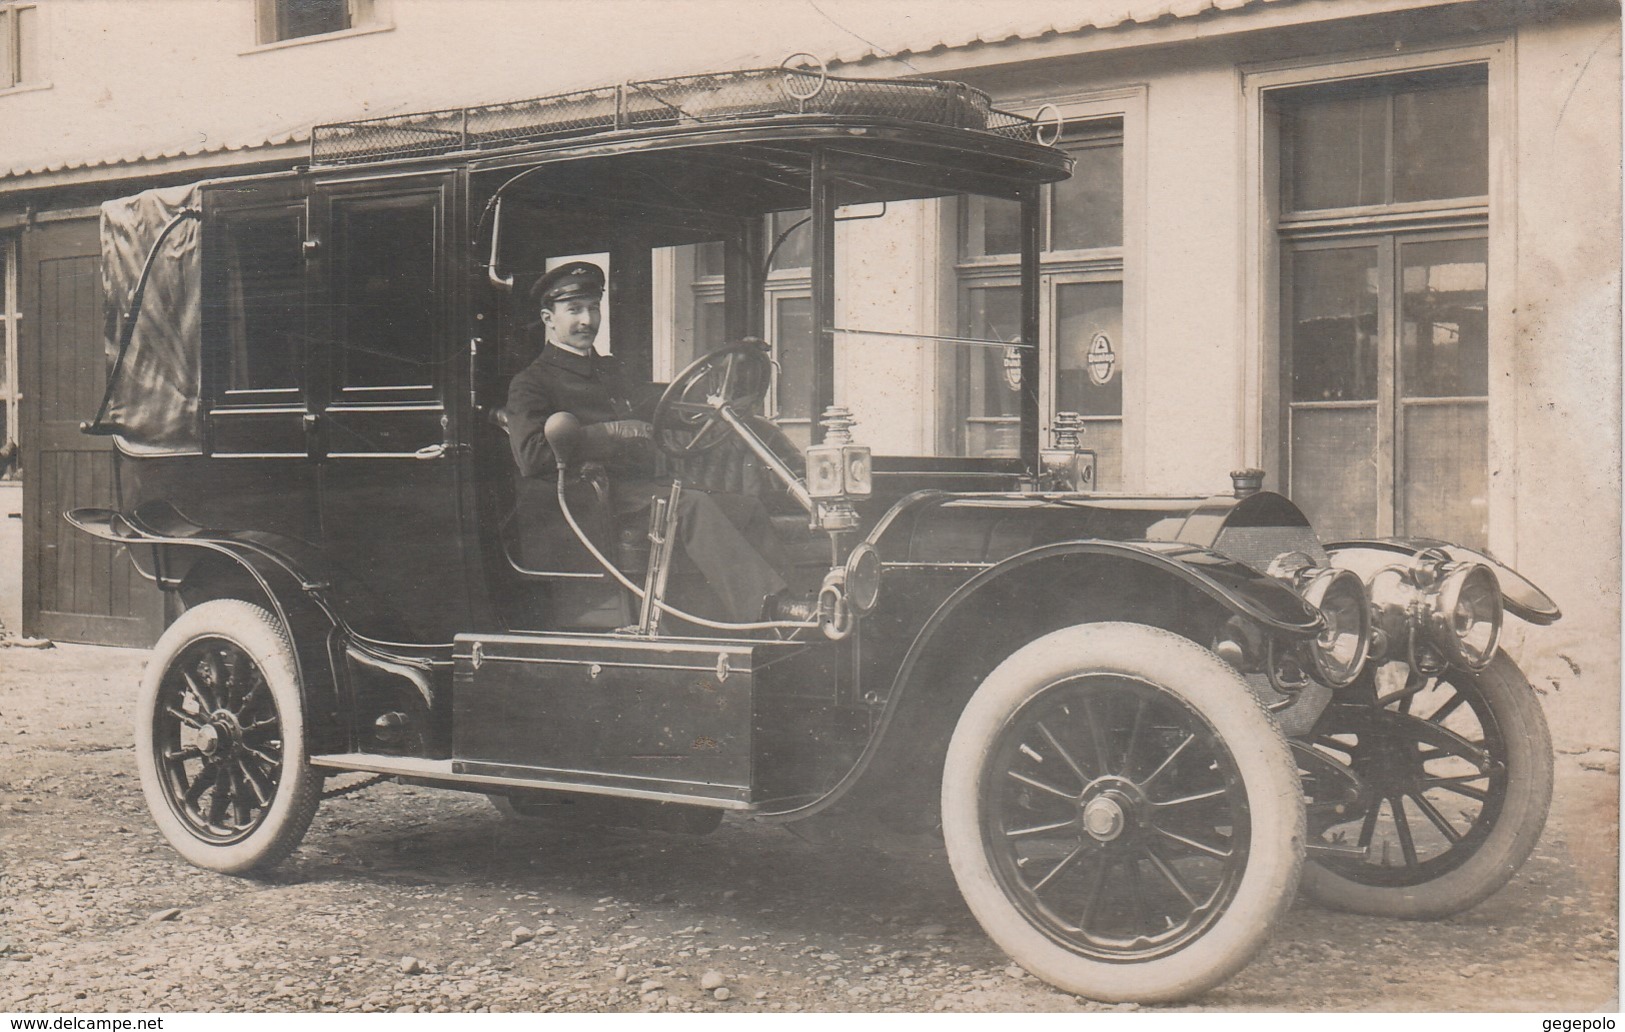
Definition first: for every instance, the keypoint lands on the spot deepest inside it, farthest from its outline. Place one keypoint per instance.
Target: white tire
(220, 739)
(1121, 815)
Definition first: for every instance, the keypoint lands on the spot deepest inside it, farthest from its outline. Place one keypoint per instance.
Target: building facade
(1369, 246)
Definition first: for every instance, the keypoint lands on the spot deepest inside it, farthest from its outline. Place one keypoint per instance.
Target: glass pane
(992, 226)
(1334, 470)
(1335, 149)
(795, 250)
(5, 314)
(1104, 437)
(1333, 324)
(710, 331)
(793, 344)
(1089, 348)
(386, 287)
(1441, 143)
(988, 387)
(708, 258)
(297, 18)
(1444, 330)
(264, 321)
(1444, 482)
(1088, 208)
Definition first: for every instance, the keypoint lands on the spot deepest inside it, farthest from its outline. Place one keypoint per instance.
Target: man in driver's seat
(728, 539)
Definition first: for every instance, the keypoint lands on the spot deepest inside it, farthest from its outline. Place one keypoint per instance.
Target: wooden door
(75, 587)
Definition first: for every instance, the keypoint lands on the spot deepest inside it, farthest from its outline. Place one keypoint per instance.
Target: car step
(444, 772)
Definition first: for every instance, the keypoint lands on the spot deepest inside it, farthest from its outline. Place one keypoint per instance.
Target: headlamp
(1340, 650)
(1465, 622)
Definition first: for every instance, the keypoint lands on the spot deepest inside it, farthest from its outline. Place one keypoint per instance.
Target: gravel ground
(412, 899)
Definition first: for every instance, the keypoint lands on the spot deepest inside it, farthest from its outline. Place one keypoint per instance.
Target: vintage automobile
(1139, 721)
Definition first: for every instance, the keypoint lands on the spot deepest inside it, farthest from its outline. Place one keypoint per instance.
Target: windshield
(927, 358)
(927, 336)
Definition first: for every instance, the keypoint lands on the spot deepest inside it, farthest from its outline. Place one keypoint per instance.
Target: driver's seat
(550, 549)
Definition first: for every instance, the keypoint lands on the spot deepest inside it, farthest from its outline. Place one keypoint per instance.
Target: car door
(259, 391)
(391, 473)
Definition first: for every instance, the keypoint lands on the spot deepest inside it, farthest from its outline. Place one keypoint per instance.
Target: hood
(981, 529)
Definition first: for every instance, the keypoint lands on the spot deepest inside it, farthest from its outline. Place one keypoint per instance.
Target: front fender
(1236, 586)
(961, 622)
(1521, 597)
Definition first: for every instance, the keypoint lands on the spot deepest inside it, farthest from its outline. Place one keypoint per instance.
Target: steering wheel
(688, 417)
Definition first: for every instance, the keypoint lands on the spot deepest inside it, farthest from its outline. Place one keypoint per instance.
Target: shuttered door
(75, 587)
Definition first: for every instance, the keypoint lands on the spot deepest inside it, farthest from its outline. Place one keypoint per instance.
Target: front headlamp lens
(1340, 650)
(1467, 615)
(863, 578)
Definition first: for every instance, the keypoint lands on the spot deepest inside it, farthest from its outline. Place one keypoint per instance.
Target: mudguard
(1519, 594)
(302, 603)
(1233, 585)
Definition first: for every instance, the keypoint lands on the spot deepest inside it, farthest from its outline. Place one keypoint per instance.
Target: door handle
(435, 451)
(315, 446)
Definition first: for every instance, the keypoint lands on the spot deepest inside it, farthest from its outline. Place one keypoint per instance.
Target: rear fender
(197, 564)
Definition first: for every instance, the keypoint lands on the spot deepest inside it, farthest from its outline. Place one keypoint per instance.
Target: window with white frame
(280, 20)
(788, 305)
(787, 302)
(19, 45)
(1384, 244)
(1081, 312)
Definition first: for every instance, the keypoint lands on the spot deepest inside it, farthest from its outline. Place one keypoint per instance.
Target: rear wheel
(220, 741)
(1121, 815)
(1458, 775)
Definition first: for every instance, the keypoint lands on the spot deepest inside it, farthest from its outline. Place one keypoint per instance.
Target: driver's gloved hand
(608, 439)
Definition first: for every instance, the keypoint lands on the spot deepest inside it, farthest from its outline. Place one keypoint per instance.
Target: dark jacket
(595, 388)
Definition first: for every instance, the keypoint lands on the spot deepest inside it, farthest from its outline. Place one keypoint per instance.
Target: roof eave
(291, 152)
(1215, 23)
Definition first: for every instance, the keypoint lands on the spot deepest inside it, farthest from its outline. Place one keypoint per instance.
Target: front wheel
(1121, 815)
(220, 740)
(1457, 769)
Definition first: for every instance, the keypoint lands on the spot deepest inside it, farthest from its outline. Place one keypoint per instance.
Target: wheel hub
(1103, 818)
(220, 734)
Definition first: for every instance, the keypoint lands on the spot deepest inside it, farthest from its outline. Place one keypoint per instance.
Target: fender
(1519, 594)
(1238, 588)
(303, 604)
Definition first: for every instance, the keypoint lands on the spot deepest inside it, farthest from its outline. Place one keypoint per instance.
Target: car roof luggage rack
(715, 97)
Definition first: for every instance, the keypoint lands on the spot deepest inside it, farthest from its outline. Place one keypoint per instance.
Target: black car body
(1151, 709)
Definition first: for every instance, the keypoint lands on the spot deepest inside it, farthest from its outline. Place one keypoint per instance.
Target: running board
(443, 771)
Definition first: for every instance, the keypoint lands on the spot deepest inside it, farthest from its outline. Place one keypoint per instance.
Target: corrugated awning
(937, 30)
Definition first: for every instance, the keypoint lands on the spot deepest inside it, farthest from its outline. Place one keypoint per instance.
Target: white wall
(885, 282)
(129, 78)
(1564, 408)
(1568, 361)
